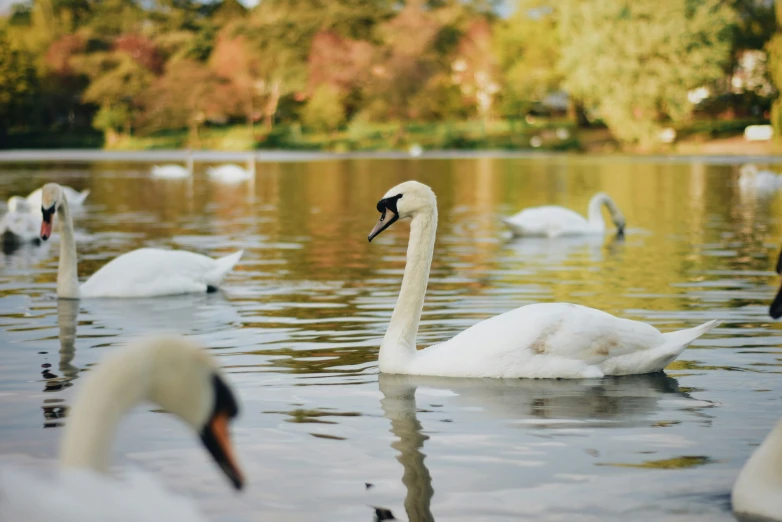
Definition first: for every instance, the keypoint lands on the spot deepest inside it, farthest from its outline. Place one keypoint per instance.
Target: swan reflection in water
(617, 401)
(67, 320)
(554, 252)
(188, 314)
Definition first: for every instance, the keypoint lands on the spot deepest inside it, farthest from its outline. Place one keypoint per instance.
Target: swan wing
(546, 221)
(554, 340)
(86, 496)
(149, 272)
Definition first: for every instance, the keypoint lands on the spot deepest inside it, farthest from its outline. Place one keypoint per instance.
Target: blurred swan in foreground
(775, 310)
(146, 272)
(230, 173)
(169, 371)
(20, 224)
(554, 221)
(757, 494)
(546, 340)
(174, 171)
(752, 178)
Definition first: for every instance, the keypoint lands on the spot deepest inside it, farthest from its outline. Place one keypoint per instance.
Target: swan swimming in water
(169, 371)
(554, 221)
(752, 178)
(545, 340)
(230, 173)
(20, 224)
(757, 493)
(174, 171)
(146, 272)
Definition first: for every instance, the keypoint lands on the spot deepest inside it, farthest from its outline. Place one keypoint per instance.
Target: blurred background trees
(300, 67)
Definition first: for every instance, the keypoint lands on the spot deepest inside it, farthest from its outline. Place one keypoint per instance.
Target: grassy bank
(544, 134)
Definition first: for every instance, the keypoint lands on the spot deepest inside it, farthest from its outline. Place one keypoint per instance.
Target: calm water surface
(298, 324)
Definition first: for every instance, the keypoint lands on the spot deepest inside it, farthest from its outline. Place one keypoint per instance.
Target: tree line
(143, 66)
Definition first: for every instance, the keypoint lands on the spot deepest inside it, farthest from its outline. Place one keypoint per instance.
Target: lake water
(298, 324)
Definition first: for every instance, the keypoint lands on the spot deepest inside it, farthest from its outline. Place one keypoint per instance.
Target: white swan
(751, 178)
(146, 272)
(757, 493)
(551, 340)
(20, 224)
(75, 198)
(169, 371)
(174, 171)
(553, 221)
(230, 173)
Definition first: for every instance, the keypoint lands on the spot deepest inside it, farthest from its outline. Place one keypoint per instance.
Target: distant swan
(146, 272)
(751, 178)
(757, 494)
(20, 224)
(75, 198)
(553, 221)
(174, 171)
(547, 340)
(231, 173)
(169, 371)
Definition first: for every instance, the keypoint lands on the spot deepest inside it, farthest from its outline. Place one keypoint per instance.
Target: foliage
(527, 46)
(18, 84)
(184, 66)
(324, 110)
(636, 61)
(775, 70)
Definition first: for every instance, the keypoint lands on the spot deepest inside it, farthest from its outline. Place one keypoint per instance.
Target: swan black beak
(383, 206)
(46, 224)
(216, 436)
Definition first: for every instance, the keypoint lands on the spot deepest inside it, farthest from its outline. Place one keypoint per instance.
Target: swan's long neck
(117, 385)
(595, 213)
(398, 346)
(67, 273)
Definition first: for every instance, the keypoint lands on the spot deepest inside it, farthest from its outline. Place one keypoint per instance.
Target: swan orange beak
(46, 230)
(217, 440)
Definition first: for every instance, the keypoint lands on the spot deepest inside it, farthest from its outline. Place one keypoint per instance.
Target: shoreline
(284, 156)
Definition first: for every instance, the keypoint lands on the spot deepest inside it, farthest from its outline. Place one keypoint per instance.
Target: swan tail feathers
(683, 338)
(224, 265)
(657, 358)
(83, 195)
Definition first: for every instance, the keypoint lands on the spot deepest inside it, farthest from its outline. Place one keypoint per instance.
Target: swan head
(168, 370)
(404, 201)
(52, 197)
(616, 215)
(186, 382)
(748, 170)
(18, 204)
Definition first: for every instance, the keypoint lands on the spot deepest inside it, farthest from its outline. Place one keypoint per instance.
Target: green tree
(19, 86)
(775, 69)
(527, 49)
(635, 61)
(324, 110)
(117, 79)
